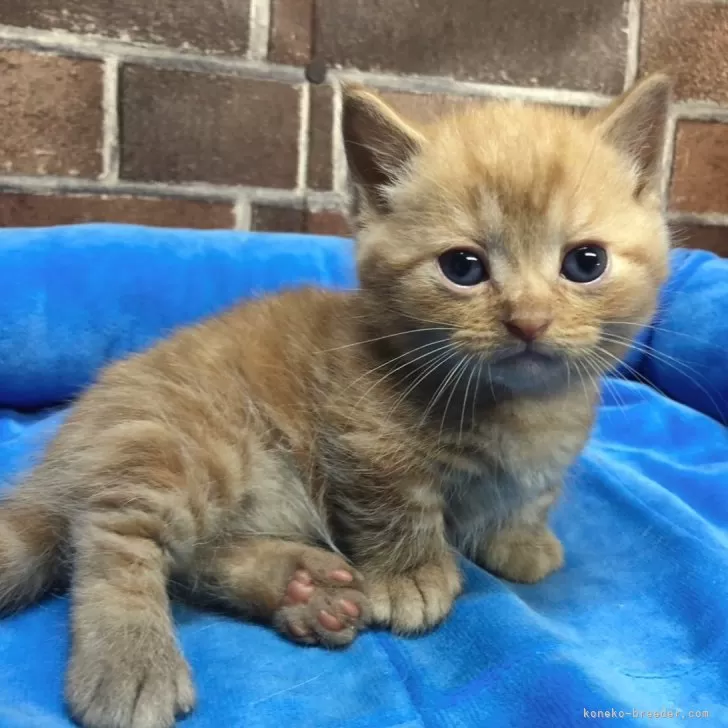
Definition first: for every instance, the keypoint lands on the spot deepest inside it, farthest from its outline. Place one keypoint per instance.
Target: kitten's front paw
(128, 680)
(416, 600)
(523, 555)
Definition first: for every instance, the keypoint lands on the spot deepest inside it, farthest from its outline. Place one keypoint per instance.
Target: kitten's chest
(513, 459)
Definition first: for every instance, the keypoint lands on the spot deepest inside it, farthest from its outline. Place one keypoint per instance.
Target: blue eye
(584, 264)
(463, 267)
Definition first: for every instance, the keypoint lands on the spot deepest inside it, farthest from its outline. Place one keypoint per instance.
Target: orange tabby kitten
(315, 458)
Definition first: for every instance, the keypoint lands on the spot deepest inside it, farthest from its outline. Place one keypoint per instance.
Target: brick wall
(219, 113)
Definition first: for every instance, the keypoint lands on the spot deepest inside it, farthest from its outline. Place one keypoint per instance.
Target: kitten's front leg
(416, 599)
(524, 549)
(410, 571)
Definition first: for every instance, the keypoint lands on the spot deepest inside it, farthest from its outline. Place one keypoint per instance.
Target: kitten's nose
(527, 329)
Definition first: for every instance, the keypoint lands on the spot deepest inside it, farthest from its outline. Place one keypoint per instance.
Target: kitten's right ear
(635, 124)
(378, 144)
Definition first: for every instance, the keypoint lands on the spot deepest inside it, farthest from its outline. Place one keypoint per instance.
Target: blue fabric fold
(634, 623)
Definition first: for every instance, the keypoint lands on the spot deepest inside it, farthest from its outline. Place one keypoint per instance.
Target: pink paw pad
(323, 606)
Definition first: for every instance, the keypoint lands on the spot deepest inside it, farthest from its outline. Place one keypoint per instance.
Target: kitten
(314, 459)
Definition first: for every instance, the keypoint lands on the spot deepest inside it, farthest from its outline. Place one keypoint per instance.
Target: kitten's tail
(30, 552)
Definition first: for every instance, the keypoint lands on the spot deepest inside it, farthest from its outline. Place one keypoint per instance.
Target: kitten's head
(526, 238)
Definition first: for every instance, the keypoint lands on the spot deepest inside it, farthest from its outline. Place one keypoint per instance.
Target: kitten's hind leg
(126, 670)
(310, 595)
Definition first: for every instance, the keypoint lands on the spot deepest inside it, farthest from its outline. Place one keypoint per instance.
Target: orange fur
(314, 459)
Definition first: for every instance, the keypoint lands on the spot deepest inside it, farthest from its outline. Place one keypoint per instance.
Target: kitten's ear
(378, 143)
(635, 124)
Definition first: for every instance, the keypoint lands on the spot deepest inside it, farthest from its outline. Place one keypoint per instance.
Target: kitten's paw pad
(328, 616)
(323, 567)
(324, 603)
(129, 682)
(524, 556)
(416, 601)
(301, 587)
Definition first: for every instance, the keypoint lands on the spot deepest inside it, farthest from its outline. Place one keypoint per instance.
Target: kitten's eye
(463, 267)
(584, 264)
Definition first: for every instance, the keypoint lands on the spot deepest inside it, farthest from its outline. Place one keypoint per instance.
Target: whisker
(665, 330)
(651, 351)
(439, 361)
(440, 391)
(442, 346)
(490, 382)
(462, 367)
(600, 365)
(583, 383)
(386, 336)
(465, 398)
(615, 374)
(444, 351)
(675, 365)
(477, 386)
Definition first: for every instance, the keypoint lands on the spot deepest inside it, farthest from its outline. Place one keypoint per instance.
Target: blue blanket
(634, 623)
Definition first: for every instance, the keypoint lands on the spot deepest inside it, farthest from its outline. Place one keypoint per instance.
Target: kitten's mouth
(522, 352)
(523, 368)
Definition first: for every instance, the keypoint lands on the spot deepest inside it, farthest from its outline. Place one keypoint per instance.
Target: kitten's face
(518, 238)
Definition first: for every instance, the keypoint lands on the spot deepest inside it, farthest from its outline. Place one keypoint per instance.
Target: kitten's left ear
(635, 124)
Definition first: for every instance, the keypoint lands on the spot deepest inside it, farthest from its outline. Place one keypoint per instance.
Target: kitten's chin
(528, 372)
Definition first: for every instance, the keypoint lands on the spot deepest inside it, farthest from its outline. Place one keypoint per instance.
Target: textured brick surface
(688, 39)
(281, 219)
(706, 237)
(426, 107)
(218, 26)
(700, 173)
(569, 44)
(50, 115)
(275, 219)
(327, 222)
(320, 138)
(290, 31)
(208, 123)
(25, 210)
(183, 127)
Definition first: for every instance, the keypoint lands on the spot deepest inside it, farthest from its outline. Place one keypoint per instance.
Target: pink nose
(527, 329)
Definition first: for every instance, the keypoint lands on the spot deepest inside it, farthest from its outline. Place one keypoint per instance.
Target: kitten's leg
(413, 600)
(524, 549)
(310, 595)
(410, 570)
(126, 670)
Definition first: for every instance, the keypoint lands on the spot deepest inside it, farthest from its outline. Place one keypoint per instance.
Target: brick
(214, 26)
(570, 44)
(290, 31)
(277, 219)
(704, 237)
(689, 40)
(179, 126)
(28, 210)
(320, 138)
(327, 222)
(700, 170)
(282, 219)
(426, 108)
(50, 115)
